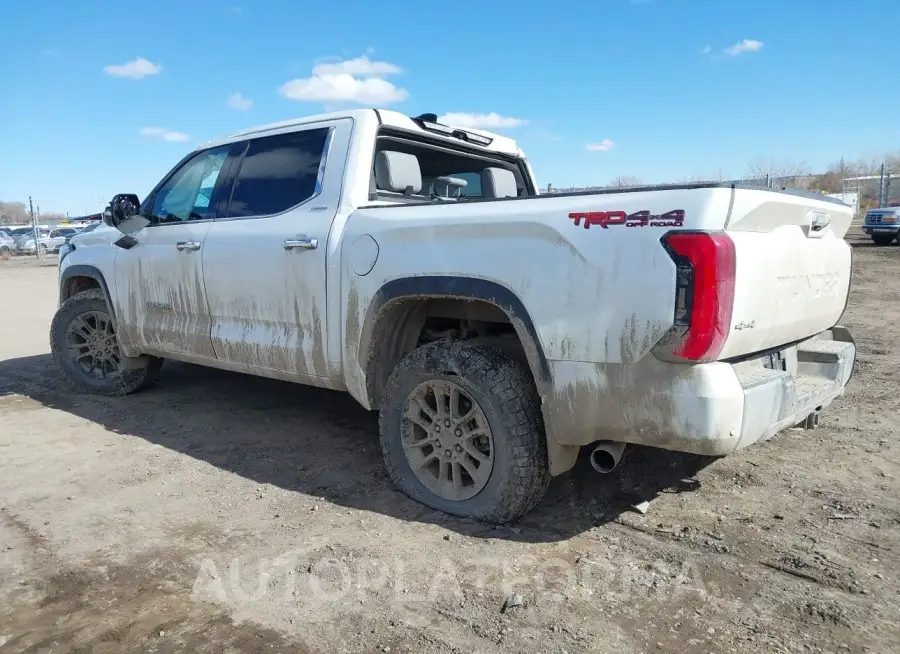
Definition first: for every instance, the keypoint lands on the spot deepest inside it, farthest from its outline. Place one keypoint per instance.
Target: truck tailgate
(792, 268)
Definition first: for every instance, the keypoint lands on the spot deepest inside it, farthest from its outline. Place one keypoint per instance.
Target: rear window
(278, 172)
(472, 189)
(439, 162)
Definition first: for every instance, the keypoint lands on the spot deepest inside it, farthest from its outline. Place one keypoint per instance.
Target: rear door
(161, 302)
(265, 259)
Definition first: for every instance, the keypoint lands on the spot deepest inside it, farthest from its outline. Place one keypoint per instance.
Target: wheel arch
(398, 302)
(403, 293)
(80, 277)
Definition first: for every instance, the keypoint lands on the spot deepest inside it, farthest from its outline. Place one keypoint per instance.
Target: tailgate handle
(818, 222)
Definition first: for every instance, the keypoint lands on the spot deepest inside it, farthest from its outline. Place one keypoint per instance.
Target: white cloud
(492, 120)
(603, 146)
(706, 51)
(359, 67)
(357, 80)
(239, 101)
(137, 69)
(164, 134)
(747, 45)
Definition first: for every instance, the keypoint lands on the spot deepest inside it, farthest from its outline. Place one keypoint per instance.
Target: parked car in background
(883, 225)
(83, 230)
(18, 232)
(26, 234)
(48, 242)
(7, 242)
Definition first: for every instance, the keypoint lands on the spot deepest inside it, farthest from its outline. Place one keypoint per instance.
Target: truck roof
(498, 143)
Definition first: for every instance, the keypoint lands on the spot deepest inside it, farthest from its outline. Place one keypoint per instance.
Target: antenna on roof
(428, 118)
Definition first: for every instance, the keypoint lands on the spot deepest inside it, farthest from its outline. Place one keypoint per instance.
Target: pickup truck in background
(883, 225)
(497, 331)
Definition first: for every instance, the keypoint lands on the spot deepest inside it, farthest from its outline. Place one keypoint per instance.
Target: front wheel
(461, 431)
(883, 239)
(84, 346)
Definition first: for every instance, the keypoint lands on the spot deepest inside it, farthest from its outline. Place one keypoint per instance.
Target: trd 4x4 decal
(605, 219)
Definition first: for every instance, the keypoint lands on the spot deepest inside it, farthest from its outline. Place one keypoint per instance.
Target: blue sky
(104, 97)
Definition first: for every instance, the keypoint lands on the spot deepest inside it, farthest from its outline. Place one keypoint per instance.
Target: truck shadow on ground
(323, 444)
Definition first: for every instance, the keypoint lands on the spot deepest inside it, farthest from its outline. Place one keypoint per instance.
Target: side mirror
(122, 213)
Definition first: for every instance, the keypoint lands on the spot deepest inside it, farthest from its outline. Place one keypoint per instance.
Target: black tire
(505, 391)
(138, 371)
(883, 239)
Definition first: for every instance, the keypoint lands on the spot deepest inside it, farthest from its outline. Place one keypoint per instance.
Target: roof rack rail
(429, 122)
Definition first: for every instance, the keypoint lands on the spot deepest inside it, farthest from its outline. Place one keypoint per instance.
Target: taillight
(705, 265)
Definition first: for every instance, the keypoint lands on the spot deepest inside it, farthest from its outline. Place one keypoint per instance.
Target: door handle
(302, 243)
(187, 245)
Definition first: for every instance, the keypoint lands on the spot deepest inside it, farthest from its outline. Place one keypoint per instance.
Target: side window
(186, 194)
(55, 233)
(277, 173)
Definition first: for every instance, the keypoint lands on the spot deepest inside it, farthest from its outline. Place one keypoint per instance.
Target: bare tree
(13, 213)
(701, 179)
(625, 181)
(781, 172)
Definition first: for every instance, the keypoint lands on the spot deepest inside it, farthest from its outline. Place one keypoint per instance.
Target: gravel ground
(217, 512)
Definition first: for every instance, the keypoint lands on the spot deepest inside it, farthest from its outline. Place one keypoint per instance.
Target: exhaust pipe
(606, 455)
(812, 420)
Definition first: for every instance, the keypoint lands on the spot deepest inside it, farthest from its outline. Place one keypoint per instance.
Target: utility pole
(37, 243)
(34, 228)
(884, 187)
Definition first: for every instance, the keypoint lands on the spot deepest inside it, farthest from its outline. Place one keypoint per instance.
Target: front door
(160, 300)
(264, 264)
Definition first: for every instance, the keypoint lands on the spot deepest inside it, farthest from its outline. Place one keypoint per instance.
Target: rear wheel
(883, 239)
(461, 431)
(84, 346)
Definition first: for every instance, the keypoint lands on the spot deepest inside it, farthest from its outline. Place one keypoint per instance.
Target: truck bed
(611, 279)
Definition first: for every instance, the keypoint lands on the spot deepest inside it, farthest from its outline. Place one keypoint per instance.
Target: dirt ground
(221, 513)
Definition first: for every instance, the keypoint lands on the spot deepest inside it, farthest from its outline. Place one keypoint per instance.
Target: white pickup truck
(497, 331)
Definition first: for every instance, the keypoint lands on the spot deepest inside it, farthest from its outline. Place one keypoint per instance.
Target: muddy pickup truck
(497, 331)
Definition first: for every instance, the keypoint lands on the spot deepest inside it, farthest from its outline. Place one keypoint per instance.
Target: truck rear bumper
(712, 409)
(777, 399)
